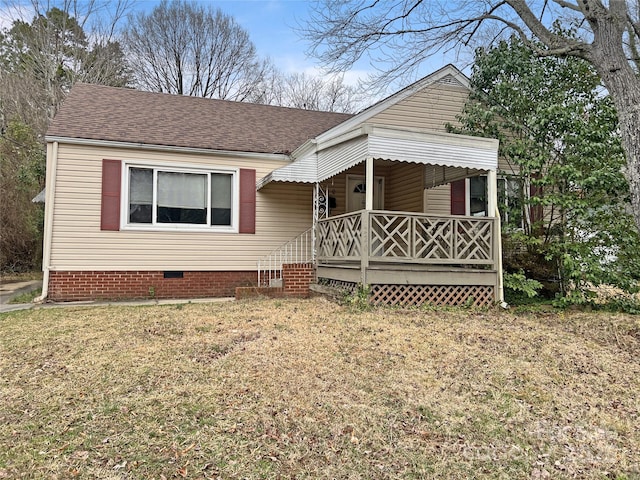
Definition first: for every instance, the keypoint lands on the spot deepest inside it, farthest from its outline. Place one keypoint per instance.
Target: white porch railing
(298, 250)
(400, 237)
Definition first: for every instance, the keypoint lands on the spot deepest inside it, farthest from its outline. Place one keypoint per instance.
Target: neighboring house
(156, 195)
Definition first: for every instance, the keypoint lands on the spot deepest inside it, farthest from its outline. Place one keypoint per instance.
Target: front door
(357, 193)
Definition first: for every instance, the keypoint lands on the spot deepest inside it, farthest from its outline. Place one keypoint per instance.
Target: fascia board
(391, 131)
(168, 148)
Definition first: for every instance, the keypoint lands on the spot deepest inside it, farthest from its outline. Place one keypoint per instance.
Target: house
(157, 195)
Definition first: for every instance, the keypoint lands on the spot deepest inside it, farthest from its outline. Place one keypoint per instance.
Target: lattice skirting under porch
(441, 295)
(346, 287)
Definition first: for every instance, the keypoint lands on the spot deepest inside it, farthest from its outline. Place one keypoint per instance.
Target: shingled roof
(97, 112)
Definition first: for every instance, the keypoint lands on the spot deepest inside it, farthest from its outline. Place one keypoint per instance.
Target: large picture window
(163, 197)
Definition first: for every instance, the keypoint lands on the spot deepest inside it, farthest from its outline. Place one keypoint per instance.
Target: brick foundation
(252, 292)
(100, 285)
(296, 278)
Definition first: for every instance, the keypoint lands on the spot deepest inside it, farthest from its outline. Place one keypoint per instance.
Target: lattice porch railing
(379, 236)
(339, 238)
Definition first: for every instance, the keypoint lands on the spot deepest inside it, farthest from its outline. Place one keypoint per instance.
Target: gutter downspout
(50, 185)
(499, 259)
(492, 206)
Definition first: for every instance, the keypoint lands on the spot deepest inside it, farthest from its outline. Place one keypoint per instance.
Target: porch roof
(320, 160)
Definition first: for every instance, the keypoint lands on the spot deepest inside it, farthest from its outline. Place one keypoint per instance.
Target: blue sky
(272, 27)
(270, 24)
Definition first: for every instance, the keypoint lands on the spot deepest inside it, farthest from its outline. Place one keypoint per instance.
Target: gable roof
(96, 112)
(352, 141)
(448, 75)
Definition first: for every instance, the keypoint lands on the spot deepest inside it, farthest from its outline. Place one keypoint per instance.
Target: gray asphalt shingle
(124, 115)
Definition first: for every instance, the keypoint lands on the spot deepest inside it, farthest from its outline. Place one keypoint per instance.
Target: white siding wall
(282, 212)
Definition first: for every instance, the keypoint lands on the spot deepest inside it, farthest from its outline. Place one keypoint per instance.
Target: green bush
(518, 287)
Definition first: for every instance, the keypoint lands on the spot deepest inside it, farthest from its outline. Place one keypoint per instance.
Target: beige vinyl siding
(404, 187)
(437, 200)
(430, 109)
(337, 186)
(505, 167)
(282, 212)
(439, 175)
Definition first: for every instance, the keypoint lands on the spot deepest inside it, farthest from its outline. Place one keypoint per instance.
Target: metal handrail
(297, 250)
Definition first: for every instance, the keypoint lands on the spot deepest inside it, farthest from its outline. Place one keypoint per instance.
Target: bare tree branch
(191, 49)
(396, 36)
(565, 4)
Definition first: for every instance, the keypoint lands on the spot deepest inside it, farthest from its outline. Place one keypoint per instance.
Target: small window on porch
(471, 198)
(478, 196)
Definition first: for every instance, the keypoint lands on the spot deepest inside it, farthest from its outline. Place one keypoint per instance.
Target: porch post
(493, 211)
(369, 179)
(492, 193)
(498, 259)
(364, 245)
(316, 217)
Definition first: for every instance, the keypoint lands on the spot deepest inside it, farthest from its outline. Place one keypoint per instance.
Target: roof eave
(167, 148)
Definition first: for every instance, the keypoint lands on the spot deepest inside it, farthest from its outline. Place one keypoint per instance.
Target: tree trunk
(629, 122)
(609, 58)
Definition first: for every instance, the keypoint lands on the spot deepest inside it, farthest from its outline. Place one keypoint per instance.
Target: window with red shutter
(458, 198)
(111, 184)
(247, 201)
(183, 198)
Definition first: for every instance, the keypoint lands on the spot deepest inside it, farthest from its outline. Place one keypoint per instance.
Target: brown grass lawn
(310, 389)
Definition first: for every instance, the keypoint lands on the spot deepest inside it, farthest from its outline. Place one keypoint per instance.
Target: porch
(410, 257)
(376, 222)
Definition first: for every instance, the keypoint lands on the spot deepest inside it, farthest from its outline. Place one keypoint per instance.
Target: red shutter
(536, 212)
(247, 223)
(458, 200)
(110, 209)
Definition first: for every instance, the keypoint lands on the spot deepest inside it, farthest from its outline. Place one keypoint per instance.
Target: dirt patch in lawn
(310, 389)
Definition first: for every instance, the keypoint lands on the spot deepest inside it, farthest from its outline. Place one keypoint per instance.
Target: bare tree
(268, 88)
(328, 93)
(189, 48)
(404, 33)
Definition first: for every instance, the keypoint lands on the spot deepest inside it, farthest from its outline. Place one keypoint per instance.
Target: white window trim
(179, 227)
(467, 197)
(503, 205)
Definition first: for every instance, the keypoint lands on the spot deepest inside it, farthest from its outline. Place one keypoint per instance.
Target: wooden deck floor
(404, 274)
